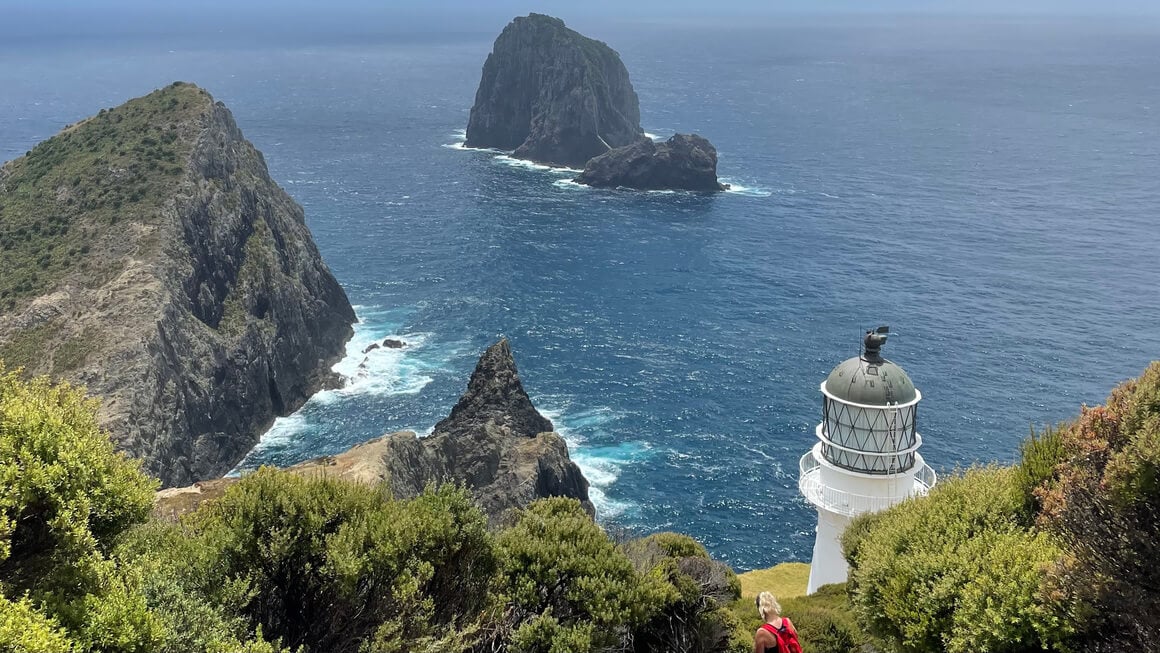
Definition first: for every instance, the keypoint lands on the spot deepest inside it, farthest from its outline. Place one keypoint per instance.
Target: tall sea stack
(148, 255)
(553, 96)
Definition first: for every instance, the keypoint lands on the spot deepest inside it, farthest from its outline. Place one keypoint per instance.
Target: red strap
(770, 629)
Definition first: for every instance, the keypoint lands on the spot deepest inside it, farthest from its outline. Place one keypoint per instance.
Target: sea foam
(380, 371)
(601, 465)
(748, 191)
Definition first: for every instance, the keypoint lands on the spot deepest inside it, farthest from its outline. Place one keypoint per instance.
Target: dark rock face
(278, 319)
(494, 441)
(553, 96)
(495, 398)
(222, 316)
(684, 162)
(391, 343)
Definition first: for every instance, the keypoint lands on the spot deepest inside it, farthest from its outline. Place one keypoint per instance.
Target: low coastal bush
(65, 497)
(1054, 554)
(283, 562)
(1102, 501)
(957, 571)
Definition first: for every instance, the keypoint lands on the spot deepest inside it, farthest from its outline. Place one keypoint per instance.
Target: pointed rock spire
(495, 396)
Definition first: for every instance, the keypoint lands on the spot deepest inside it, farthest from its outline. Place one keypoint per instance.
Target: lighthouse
(866, 458)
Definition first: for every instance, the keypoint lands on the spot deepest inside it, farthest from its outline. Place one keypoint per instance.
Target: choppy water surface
(988, 190)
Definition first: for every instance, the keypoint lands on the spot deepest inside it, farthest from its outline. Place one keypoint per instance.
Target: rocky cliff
(494, 441)
(553, 96)
(684, 162)
(149, 256)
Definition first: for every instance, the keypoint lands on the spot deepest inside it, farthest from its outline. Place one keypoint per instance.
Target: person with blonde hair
(777, 634)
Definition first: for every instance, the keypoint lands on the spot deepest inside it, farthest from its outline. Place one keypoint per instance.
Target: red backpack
(787, 641)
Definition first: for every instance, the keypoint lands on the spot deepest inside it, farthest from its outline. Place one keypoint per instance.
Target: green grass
(89, 180)
(825, 620)
(784, 581)
(259, 260)
(27, 347)
(71, 353)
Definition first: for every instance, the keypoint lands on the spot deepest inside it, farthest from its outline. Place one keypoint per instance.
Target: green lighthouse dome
(870, 379)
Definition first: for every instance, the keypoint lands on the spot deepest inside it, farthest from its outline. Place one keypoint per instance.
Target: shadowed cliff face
(202, 310)
(684, 162)
(553, 96)
(494, 442)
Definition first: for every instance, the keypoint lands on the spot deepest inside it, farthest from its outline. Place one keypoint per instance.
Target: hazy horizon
(346, 21)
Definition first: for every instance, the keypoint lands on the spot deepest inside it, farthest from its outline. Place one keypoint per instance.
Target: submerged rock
(684, 162)
(553, 95)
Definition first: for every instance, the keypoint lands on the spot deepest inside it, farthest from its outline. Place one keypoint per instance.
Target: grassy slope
(785, 580)
(88, 182)
(825, 620)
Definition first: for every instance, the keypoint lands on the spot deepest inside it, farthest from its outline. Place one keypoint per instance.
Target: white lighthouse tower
(866, 458)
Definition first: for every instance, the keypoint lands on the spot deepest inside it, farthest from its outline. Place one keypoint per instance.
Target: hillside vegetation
(72, 190)
(1053, 554)
(283, 562)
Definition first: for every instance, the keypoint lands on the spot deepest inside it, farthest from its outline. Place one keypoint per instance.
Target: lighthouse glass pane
(864, 434)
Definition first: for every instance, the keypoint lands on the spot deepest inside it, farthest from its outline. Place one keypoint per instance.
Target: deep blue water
(990, 189)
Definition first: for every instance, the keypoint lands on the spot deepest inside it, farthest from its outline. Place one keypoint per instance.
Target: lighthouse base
(828, 565)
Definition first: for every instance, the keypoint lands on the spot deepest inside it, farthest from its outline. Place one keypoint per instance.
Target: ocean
(989, 188)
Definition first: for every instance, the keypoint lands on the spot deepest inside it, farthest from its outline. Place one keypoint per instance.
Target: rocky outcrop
(495, 442)
(684, 162)
(553, 96)
(197, 308)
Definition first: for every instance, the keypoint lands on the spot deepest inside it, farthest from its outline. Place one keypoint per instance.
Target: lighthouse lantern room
(866, 458)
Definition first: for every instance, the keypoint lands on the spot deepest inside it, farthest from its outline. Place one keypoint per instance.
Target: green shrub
(65, 496)
(23, 629)
(173, 572)
(929, 571)
(329, 564)
(64, 493)
(694, 616)
(1040, 458)
(567, 583)
(1105, 506)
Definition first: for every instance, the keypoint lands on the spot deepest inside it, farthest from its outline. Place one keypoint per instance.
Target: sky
(602, 7)
(31, 20)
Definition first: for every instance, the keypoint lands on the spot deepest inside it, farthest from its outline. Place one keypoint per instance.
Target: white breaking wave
(737, 189)
(570, 184)
(503, 156)
(602, 466)
(283, 430)
(531, 165)
(380, 371)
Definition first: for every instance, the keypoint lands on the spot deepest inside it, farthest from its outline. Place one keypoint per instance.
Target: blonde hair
(767, 605)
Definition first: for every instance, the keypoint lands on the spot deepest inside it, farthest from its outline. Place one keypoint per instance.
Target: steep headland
(494, 441)
(552, 95)
(147, 254)
(684, 162)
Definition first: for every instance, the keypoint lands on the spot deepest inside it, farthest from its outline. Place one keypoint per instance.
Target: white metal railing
(848, 503)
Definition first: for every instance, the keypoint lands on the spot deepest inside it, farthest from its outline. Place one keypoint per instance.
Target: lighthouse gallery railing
(849, 503)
